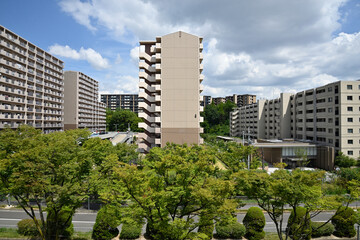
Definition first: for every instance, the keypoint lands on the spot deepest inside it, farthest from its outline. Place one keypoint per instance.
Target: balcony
(158, 47)
(158, 67)
(158, 77)
(146, 76)
(147, 57)
(147, 67)
(201, 88)
(146, 97)
(146, 86)
(201, 77)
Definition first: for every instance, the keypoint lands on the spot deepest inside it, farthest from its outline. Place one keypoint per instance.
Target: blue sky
(259, 47)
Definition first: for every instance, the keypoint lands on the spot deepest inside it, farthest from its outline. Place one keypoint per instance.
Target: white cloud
(261, 47)
(120, 84)
(90, 55)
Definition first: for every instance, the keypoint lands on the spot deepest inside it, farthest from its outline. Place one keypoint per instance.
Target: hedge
(254, 222)
(299, 224)
(230, 231)
(130, 231)
(325, 230)
(344, 221)
(107, 221)
(27, 227)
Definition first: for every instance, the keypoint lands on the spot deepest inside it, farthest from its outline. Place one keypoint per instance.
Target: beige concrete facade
(31, 85)
(170, 77)
(82, 108)
(239, 100)
(328, 115)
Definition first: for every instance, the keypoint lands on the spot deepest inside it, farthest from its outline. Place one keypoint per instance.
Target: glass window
(350, 98)
(350, 109)
(350, 153)
(350, 119)
(349, 87)
(350, 130)
(350, 141)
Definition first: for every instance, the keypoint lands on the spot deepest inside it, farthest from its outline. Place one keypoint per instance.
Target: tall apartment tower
(82, 108)
(31, 85)
(170, 77)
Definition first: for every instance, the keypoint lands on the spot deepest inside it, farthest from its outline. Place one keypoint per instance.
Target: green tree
(344, 161)
(273, 192)
(216, 118)
(51, 168)
(121, 119)
(175, 184)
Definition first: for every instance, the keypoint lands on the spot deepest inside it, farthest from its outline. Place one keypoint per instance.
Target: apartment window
(330, 130)
(350, 109)
(330, 120)
(329, 109)
(349, 98)
(350, 153)
(350, 141)
(330, 99)
(350, 130)
(350, 119)
(330, 89)
(349, 87)
(330, 140)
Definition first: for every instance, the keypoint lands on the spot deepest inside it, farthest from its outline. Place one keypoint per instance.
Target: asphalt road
(84, 221)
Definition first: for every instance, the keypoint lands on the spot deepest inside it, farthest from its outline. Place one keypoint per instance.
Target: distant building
(82, 108)
(239, 100)
(170, 75)
(121, 101)
(31, 85)
(206, 101)
(327, 115)
(218, 100)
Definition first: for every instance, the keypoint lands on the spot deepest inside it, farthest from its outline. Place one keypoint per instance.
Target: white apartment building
(169, 82)
(328, 115)
(82, 106)
(31, 85)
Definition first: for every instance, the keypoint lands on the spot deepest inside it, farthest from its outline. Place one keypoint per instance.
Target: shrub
(344, 221)
(254, 223)
(27, 227)
(233, 230)
(130, 231)
(63, 225)
(206, 226)
(344, 161)
(299, 224)
(325, 230)
(107, 221)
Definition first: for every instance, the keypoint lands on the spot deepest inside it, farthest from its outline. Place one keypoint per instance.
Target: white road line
(16, 219)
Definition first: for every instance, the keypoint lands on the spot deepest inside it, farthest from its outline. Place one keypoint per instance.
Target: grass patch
(272, 236)
(9, 233)
(12, 233)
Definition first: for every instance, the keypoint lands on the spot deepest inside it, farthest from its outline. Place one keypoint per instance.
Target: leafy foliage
(173, 185)
(318, 229)
(273, 192)
(51, 168)
(206, 225)
(216, 118)
(120, 119)
(254, 222)
(344, 221)
(344, 161)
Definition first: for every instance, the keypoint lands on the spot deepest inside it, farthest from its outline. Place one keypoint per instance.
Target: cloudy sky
(260, 47)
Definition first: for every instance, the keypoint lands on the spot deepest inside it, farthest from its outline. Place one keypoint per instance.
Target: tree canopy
(121, 119)
(216, 118)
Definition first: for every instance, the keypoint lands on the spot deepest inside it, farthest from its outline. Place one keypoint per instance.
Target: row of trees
(177, 188)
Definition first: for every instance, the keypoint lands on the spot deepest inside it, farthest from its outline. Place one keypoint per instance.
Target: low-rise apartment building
(121, 101)
(328, 115)
(31, 85)
(82, 107)
(239, 100)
